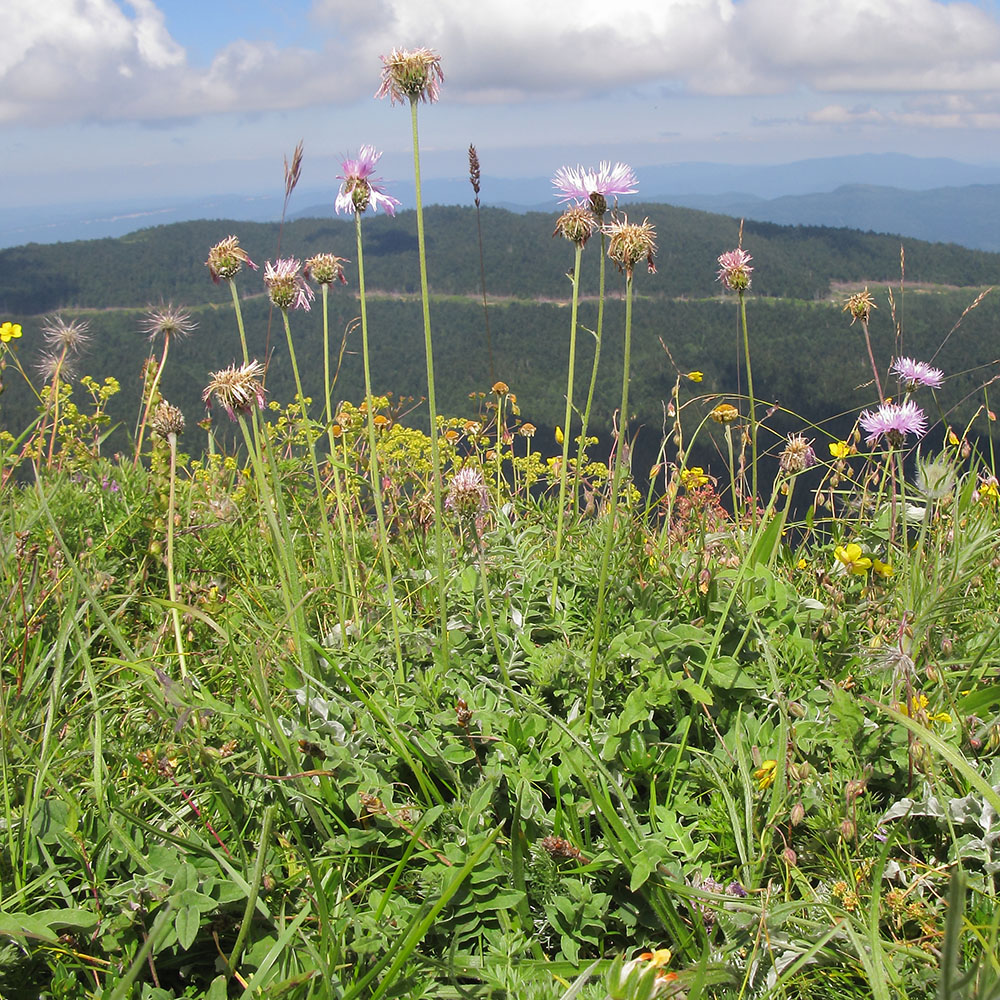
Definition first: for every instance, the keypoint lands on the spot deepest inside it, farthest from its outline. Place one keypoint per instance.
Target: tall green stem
(753, 407)
(375, 475)
(585, 424)
(171, 582)
(151, 395)
(431, 402)
(612, 514)
(567, 420)
(239, 320)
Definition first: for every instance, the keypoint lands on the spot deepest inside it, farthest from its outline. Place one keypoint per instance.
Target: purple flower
(285, 284)
(467, 494)
(893, 421)
(734, 269)
(917, 373)
(360, 189)
(595, 186)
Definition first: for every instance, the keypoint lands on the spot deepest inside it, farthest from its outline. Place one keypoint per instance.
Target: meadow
(359, 702)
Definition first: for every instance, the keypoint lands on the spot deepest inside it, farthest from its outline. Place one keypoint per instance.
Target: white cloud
(93, 59)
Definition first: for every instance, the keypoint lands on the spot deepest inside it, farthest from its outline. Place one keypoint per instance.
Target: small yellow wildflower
(953, 438)
(695, 376)
(840, 449)
(694, 477)
(801, 564)
(765, 774)
(851, 558)
(884, 570)
(988, 491)
(560, 437)
(9, 331)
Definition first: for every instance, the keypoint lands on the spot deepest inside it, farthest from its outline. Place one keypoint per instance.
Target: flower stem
(239, 320)
(149, 399)
(753, 407)
(593, 374)
(171, 582)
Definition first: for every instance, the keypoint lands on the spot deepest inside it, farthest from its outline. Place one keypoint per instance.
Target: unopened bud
(798, 813)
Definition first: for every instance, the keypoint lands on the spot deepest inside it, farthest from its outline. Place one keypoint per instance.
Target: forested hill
(522, 260)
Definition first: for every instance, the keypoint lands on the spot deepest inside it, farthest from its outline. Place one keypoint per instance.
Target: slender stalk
(871, 358)
(612, 514)
(567, 421)
(171, 581)
(374, 474)
(239, 320)
(753, 406)
(431, 402)
(55, 406)
(140, 432)
(487, 604)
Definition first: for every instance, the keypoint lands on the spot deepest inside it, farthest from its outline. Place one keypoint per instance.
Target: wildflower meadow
(318, 698)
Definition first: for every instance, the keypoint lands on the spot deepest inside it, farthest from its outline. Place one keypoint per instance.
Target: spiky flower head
(325, 269)
(577, 224)
(55, 364)
(724, 413)
(168, 320)
(595, 186)
(914, 374)
(167, 420)
(286, 286)
(893, 421)
(237, 390)
(226, 258)
(630, 242)
(860, 306)
(360, 188)
(66, 338)
(411, 75)
(467, 495)
(9, 331)
(797, 455)
(734, 269)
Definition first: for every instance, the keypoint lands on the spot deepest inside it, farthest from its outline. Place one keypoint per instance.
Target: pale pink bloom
(917, 373)
(894, 421)
(361, 188)
(285, 284)
(607, 181)
(734, 269)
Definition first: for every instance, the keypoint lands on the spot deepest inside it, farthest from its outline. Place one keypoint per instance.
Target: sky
(119, 99)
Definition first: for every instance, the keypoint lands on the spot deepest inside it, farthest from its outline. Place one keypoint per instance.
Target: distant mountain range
(935, 199)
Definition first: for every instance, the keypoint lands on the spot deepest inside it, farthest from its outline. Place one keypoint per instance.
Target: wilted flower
(9, 331)
(724, 413)
(917, 373)
(734, 269)
(467, 495)
(226, 258)
(893, 421)
(411, 74)
(765, 774)
(168, 320)
(66, 338)
(474, 171)
(860, 306)
(237, 390)
(629, 242)
(285, 284)
(360, 188)
(167, 420)
(577, 224)
(325, 269)
(595, 186)
(501, 388)
(798, 454)
(527, 430)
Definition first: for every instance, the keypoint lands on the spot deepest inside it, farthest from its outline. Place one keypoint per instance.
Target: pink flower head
(917, 373)
(595, 186)
(734, 269)
(360, 188)
(285, 284)
(467, 493)
(893, 421)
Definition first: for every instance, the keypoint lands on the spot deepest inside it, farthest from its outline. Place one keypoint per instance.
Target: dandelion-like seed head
(467, 494)
(167, 420)
(361, 188)
(169, 321)
(411, 75)
(226, 258)
(735, 269)
(724, 413)
(576, 224)
(286, 286)
(914, 374)
(580, 184)
(798, 454)
(325, 269)
(860, 306)
(66, 338)
(51, 364)
(630, 242)
(237, 390)
(893, 421)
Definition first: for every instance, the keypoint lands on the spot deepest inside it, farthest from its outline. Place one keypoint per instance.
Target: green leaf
(187, 923)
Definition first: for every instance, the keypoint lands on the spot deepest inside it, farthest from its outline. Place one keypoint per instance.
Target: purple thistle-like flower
(285, 284)
(893, 421)
(917, 373)
(595, 186)
(734, 269)
(237, 390)
(360, 188)
(411, 74)
(467, 493)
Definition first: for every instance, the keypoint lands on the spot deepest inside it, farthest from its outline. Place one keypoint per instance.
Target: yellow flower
(884, 570)
(560, 437)
(9, 331)
(724, 413)
(766, 773)
(853, 561)
(694, 477)
(953, 438)
(801, 564)
(695, 376)
(840, 449)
